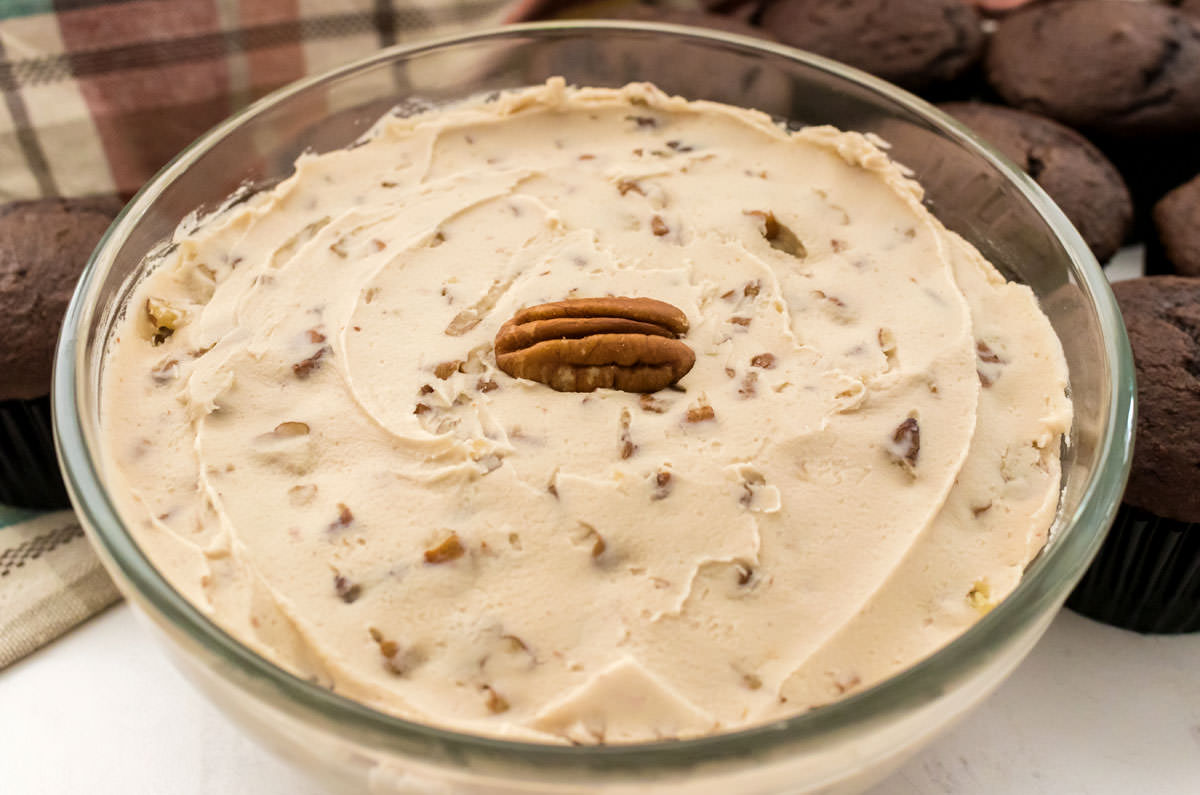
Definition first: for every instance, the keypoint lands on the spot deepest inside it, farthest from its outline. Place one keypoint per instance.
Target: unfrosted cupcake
(43, 247)
(1147, 576)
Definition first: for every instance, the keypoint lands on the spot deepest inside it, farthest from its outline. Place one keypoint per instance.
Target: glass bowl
(842, 747)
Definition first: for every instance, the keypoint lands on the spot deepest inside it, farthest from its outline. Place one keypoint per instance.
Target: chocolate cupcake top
(729, 23)
(43, 247)
(1087, 187)
(675, 68)
(1177, 219)
(1119, 66)
(1162, 315)
(914, 43)
(1191, 7)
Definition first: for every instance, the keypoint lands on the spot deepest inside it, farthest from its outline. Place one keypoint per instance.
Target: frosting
(306, 430)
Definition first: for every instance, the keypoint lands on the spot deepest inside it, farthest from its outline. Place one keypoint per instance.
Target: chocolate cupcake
(675, 67)
(1087, 187)
(43, 247)
(1189, 7)
(1177, 222)
(733, 17)
(1147, 575)
(914, 43)
(1119, 67)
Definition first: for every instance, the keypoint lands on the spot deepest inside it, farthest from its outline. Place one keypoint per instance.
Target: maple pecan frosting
(586, 415)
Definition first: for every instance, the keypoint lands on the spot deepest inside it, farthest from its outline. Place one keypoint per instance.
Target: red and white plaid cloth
(99, 94)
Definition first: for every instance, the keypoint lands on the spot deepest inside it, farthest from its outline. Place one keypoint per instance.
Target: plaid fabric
(99, 95)
(50, 581)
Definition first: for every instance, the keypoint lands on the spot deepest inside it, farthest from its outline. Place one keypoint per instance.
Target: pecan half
(584, 344)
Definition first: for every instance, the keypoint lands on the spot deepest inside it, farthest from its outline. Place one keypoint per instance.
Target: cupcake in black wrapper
(43, 247)
(1175, 246)
(1147, 575)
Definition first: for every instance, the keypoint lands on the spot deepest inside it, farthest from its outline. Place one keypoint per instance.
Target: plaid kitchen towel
(97, 97)
(50, 581)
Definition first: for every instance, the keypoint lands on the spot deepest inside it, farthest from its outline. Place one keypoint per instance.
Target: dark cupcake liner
(1146, 577)
(29, 475)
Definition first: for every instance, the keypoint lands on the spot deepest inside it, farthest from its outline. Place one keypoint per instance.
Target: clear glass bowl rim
(1044, 586)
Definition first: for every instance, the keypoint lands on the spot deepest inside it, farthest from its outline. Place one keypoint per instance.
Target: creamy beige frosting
(321, 454)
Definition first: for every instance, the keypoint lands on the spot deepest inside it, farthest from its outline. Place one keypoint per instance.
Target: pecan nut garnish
(584, 344)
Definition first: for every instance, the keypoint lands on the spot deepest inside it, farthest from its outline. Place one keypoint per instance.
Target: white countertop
(1093, 711)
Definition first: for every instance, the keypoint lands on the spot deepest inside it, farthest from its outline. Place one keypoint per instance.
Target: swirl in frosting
(306, 429)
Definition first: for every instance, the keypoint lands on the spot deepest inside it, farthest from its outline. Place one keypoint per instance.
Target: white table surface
(1093, 711)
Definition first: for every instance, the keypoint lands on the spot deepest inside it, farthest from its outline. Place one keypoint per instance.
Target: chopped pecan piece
(446, 369)
(764, 360)
(846, 683)
(906, 444)
(989, 361)
(652, 404)
(701, 413)
(388, 648)
(586, 534)
(450, 549)
(347, 591)
(779, 236)
(749, 387)
(396, 659)
(628, 448)
(658, 226)
(496, 703)
(164, 317)
(626, 185)
(345, 517)
(305, 367)
(833, 299)
(887, 346)
(583, 344)
(980, 596)
(662, 485)
(986, 354)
